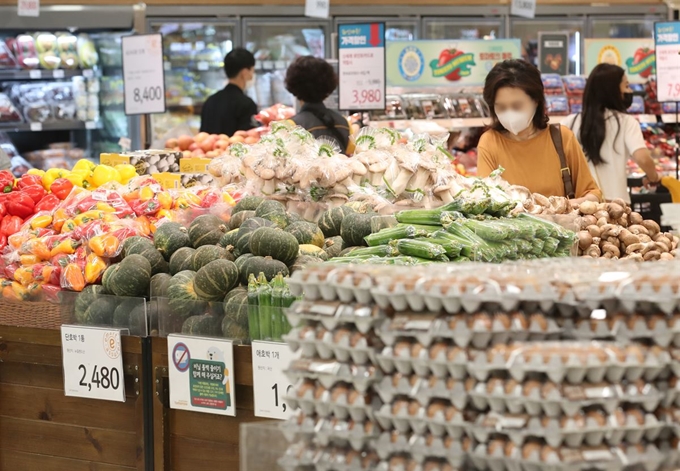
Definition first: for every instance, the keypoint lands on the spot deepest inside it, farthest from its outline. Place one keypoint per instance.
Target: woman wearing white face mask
(545, 159)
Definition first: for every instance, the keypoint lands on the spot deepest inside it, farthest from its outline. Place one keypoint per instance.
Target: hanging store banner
(553, 53)
(446, 63)
(635, 56)
(667, 46)
(201, 374)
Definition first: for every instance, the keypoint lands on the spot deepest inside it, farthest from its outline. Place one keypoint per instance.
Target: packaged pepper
(94, 268)
(51, 293)
(72, 278)
(105, 245)
(67, 247)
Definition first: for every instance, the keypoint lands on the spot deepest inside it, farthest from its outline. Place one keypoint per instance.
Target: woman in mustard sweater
(521, 141)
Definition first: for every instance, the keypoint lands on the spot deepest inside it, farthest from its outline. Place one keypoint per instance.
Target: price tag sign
(93, 363)
(317, 8)
(35, 74)
(523, 8)
(361, 66)
(667, 41)
(28, 8)
(143, 74)
(270, 384)
(202, 374)
(36, 127)
(58, 74)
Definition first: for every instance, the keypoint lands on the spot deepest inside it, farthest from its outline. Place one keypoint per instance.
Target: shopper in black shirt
(311, 80)
(231, 110)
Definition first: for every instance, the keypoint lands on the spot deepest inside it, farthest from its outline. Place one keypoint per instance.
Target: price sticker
(523, 8)
(35, 74)
(93, 363)
(317, 8)
(58, 74)
(186, 101)
(36, 127)
(361, 66)
(667, 42)
(270, 384)
(202, 66)
(28, 8)
(90, 125)
(88, 73)
(143, 74)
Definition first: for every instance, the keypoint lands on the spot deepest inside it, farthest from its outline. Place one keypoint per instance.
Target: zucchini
(452, 247)
(264, 302)
(386, 235)
(277, 286)
(490, 231)
(422, 228)
(253, 318)
(419, 216)
(421, 249)
(378, 251)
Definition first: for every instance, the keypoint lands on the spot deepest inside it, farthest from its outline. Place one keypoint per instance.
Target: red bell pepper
(10, 225)
(3, 210)
(6, 181)
(20, 204)
(3, 241)
(145, 207)
(35, 192)
(51, 293)
(48, 203)
(86, 204)
(61, 188)
(10, 269)
(29, 180)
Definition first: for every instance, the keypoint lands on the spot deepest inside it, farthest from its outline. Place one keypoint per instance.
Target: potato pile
(613, 230)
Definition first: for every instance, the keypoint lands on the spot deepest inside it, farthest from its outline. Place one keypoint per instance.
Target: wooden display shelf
(41, 429)
(195, 441)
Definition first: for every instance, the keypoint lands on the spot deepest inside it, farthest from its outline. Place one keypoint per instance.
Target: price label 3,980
(93, 363)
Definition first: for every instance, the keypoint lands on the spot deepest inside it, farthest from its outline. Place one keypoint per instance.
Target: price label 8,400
(271, 385)
(93, 363)
(143, 74)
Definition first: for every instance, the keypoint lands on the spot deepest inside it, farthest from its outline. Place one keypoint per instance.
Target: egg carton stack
(508, 367)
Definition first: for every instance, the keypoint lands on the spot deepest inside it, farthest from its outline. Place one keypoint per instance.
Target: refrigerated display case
(275, 42)
(459, 28)
(623, 27)
(396, 29)
(193, 51)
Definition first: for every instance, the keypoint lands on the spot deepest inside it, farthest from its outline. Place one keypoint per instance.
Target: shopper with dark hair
(608, 135)
(311, 81)
(543, 158)
(231, 110)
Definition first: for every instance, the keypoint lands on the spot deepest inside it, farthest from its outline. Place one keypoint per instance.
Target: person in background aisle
(231, 110)
(608, 135)
(5, 162)
(311, 81)
(545, 159)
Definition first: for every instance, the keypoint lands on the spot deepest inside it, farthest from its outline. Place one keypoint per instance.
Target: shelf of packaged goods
(40, 74)
(193, 66)
(460, 123)
(64, 125)
(270, 65)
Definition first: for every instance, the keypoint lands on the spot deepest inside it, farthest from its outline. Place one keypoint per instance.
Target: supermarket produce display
(473, 366)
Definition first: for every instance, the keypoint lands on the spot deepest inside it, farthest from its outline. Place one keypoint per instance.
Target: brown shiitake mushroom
(585, 240)
(635, 218)
(615, 211)
(628, 238)
(588, 207)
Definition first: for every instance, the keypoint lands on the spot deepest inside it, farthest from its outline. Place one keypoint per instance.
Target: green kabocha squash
(313, 251)
(182, 297)
(273, 211)
(333, 246)
(275, 243)
(101, 311)
(245, 231)
(204, 324)
(85, 298)
(206, 254)
(267, 265)
(302, 262)
(170, 237)
(139, 324)
(215, 280)
(240, 264)
(228, 239)
(106, 279)
(235, 321)
(247, 203)
(306, 233)
(121, 316)
(294, 217)
(158, 287)
(355, 227)
(238, 219)
(207, 229)
(182, 260)
(330, 222)
(136, 244)
(131, 277)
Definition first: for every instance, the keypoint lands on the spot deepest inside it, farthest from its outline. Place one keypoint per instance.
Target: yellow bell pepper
(67, 247)
(87, 216)
(51, 175)
(105, 245)
(84, 164)
(35, 171)
(164, 200)
(226, 197)
(68, 226)
(40, 222)
(163, 213)
(146, 193)
(27, 260)
(105, 174)
(106, 207)
(94, 267)
(76, 179)
(127, 172)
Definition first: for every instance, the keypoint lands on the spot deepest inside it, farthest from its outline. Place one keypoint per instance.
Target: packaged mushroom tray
(146, 162)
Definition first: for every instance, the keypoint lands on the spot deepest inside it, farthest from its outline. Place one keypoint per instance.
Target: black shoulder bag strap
(556, 135)
(329, 122)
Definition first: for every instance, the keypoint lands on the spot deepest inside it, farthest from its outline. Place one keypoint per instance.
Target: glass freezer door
(613, 27)
(468, 28)
(275, 43)
(193, 53)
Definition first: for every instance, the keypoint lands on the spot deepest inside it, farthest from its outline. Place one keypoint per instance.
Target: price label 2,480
(93, 363)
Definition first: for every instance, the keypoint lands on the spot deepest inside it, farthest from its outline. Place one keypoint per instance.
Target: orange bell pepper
(60, 216)
(27, 260)
(105, 245)
(24, 275)
(72, 278)
(144, 225)
(36, 247)
(94, 268)
(164, 200)
(15, 292)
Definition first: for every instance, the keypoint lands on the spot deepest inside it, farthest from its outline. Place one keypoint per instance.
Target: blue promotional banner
(361, 66)
(667, 45)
